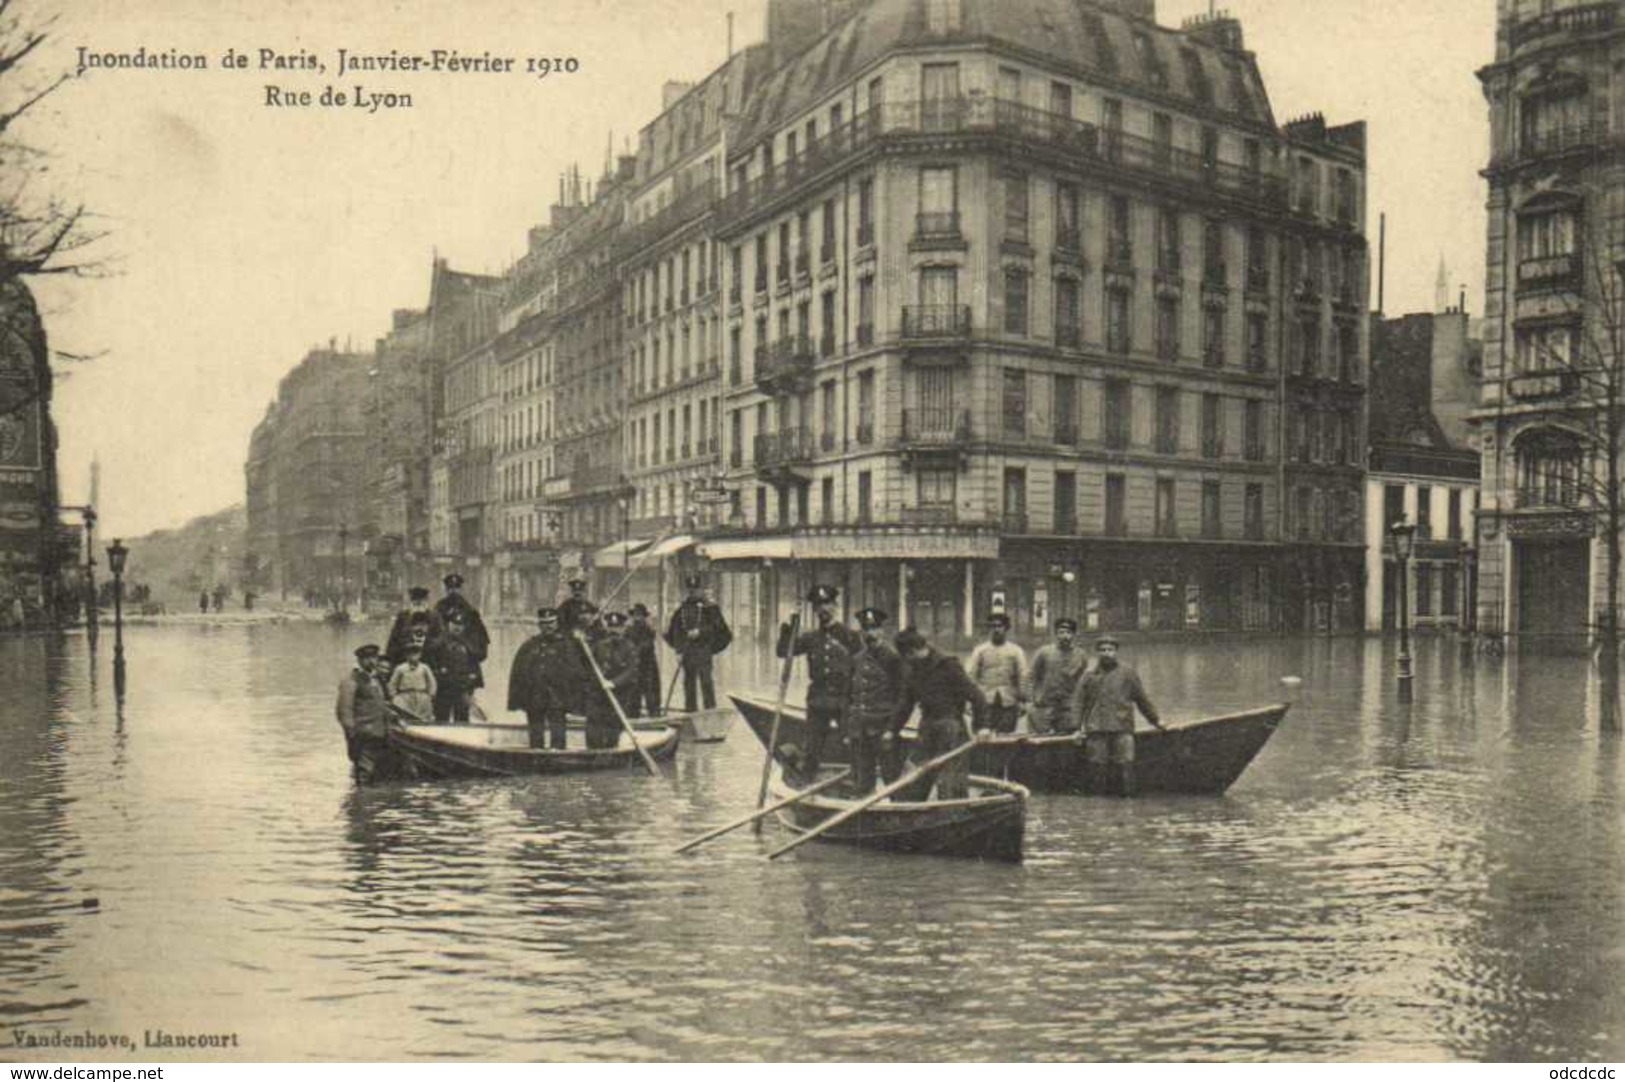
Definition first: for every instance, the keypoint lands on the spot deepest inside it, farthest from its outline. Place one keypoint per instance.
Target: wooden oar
(863, 805)
(609, 691)
(760, 813)
(671, 689)
(778, 709)
(402, 712)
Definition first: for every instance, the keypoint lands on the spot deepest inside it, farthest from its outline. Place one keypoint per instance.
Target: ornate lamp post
(116, 555)
(1404, 536)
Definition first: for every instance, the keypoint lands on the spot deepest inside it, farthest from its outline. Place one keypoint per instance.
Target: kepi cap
(639, 609)
(453, 581)
(418, 593)
(871, 617)
(823, 595)
(1066, 623)
(614, 619)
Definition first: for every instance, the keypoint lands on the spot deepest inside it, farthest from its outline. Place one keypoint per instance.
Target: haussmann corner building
(1554, 247)
(1035, 306)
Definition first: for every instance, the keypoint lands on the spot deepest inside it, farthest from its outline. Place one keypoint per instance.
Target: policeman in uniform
(575, 611)
(547, 679)
(617, 661)
(474, 633)
(828, 646)
(645, 696)
(456, 671)
(698, 633)
(873, 702)
(400, 633)
(1056, 670)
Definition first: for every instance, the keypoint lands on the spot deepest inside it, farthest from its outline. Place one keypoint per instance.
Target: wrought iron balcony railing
(788, 446)
(944, 425)
(936, 321)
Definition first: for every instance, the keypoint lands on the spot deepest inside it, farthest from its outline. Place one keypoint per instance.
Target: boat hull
(456, 751)
(988, 825)
(1204, 758)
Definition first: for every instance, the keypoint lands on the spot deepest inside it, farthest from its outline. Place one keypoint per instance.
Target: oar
(634, 566)
(402, 712)
(778, 709)
(760, 813)
(609, 691)
(863, 805)
(671, 689)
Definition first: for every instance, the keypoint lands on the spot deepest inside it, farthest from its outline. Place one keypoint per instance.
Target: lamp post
(116, 555)
(1404, 536)
(1469, 601)
(344, 565)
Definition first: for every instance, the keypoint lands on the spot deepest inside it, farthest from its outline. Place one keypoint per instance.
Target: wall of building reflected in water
(1439, 882)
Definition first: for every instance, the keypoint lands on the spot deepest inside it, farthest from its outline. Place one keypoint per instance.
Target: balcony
(1068, 336)
(1013, 522)
(1067, 434)
(786, 366)
(936, 425)
(803, 265)
(1068, 238)
(785, 448)
(782, 273)
(1557, 495)
(932, 226)
(1585, 19)
(941, 514)
(936, 321)
(1549, 272)
(1551, 383)
(592, 478)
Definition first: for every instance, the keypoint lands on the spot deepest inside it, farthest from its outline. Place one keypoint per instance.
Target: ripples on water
(1439, 883)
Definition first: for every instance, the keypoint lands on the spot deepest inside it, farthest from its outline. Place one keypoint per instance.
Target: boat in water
(497, 751)
(1202, 758)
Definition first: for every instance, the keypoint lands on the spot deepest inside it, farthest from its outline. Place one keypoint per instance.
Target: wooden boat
(494, 751)
(987, 825)
(1205, 757)
(701, 727)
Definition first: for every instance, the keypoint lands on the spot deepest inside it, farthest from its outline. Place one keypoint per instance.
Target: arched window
(1550, 468)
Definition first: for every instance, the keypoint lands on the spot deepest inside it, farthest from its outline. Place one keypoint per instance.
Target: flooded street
(1440, 882)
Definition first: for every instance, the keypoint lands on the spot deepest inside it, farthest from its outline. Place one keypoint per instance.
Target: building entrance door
(1553, 587)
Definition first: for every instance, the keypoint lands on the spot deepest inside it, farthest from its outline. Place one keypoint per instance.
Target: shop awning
(621, 553)
(671, 546)
(748, 548)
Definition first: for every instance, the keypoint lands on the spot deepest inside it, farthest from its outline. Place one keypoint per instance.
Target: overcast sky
(244, 235)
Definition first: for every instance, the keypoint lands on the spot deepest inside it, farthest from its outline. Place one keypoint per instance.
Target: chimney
(671, 91)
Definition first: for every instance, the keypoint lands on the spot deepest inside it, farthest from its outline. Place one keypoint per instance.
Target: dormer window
(941, 16)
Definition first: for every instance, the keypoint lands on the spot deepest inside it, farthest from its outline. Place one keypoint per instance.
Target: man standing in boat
(999, 668)
(698, 633)
(829, 646)
(872, 704)
(617, 660)
(456, 670)
(1056, 670)
(1104, 710)
(363, 705)
(575, 611)
(474, 633)
(939, 686)
(645, 696)
(547, 678)
(417, 611)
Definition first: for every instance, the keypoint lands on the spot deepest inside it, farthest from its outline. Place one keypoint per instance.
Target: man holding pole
(937, 684)
(829, 646)
(618, 664)
(698, 633)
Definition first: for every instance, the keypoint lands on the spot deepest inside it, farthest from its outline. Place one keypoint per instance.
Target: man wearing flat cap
(548, 679)
(646, 692)
(417, 612)
(1056, 670)
(873, 703)
(1104, 709)
(829, 646)
(999, 668)
(362, 708)
(474, 633)
(698, 633)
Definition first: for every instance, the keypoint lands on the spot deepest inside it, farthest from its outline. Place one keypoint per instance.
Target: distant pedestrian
(203, 601)
(999, 668)
(412, 686)
(698, 633)
(1056, 670)
(646, 697)
(219, 599)
(1104, 709)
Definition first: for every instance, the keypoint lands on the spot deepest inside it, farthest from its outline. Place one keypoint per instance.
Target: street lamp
(116, 555)
(1404, 536)
(1469, 602)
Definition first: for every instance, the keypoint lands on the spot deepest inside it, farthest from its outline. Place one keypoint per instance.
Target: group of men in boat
(863, 690)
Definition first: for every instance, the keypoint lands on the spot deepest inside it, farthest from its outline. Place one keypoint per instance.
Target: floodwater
(1439, 882)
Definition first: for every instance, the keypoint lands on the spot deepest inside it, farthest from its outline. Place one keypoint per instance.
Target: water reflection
(1437, 881)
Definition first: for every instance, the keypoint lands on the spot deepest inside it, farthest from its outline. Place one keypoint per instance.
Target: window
(1424, 589)
(1347, 196)
(1167, 420)
(1551, 123)
(1307, 179)
(1065, 410)
(827, 416)
(1067, 233)
(1119, 239)
(1258, 267)
(1453, 515)
(1549, 469)
(1213, 336)
(941, 16)
(1015, 300)
(1212, 513)
(783, 266)
(1448, 594)
(1015, 187)
(866, 212)
(938, 202)
(1168, 245)
(1212, 426)
(1068, 313)
(826, 340)
(761, 263)
(1015, 402)
(1253, 512)
(1348, 352)
(866, 310)
(1060, 100)
(1066, 502)
(1162, 138)
(1309, 345)
(803, 242)
(1118, 339)
(1116, 505)
(826, 253)
(939, 97)
(761, 507)
(826, 501)
(1393, 505)
(865, 496)
(1166, 517)
(1168, 328)
(1304, 512)
(1424, 512)
(1545, 348)
(1117, 414)
(1547, 234)
(936, 487)
(1009, 85)
(866, 407)
(1015, 500)
(1257, 341)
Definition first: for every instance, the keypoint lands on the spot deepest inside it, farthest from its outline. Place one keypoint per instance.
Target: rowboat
(700, 727)
(495, 751)
(1204, 757)
(987, 825)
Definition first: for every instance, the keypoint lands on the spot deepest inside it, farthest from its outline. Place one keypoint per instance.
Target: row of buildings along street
(963, 306)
